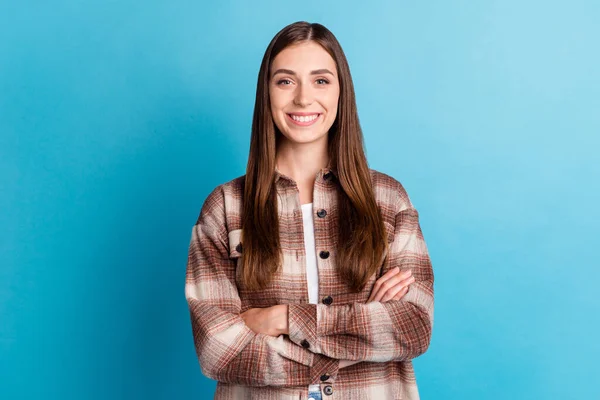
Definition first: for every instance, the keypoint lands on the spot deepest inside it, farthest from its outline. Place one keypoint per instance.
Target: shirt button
(327, 300)
(321, 213)
(305, 344)
(239, 247)
(328, 390)
(324, 254)
(324, 377)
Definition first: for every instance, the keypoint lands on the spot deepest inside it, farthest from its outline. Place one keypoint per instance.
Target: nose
(303, 96)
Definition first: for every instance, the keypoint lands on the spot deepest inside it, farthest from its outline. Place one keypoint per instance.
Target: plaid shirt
(384, 336)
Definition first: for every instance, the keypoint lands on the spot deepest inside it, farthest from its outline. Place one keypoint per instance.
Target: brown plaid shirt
(384, 336)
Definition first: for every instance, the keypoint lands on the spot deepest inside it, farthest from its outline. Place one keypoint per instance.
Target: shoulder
(389, 191)
(223, 203)
(224, 193)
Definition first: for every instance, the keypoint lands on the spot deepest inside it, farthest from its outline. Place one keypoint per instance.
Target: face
(304, 91)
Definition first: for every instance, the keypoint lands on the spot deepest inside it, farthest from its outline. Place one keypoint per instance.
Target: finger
(389, 274)
(389, 283)
(382, 279)
(401, 293)
(391, 292)
(380, 284)
(394, 290)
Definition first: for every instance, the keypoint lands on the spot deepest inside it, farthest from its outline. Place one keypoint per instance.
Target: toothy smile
(304, 118)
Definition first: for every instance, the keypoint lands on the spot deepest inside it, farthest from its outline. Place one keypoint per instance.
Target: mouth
(303, 120)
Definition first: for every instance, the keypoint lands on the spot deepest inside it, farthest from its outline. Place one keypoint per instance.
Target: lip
(304, 114)
(303, 123)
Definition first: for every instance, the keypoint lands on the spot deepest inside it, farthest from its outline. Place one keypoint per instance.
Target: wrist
(283, 326)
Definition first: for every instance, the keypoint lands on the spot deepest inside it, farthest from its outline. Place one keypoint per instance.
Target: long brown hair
(361, 240)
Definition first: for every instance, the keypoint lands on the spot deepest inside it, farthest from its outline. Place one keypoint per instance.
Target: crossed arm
(263, 346)
(274, 321)
(227, 349)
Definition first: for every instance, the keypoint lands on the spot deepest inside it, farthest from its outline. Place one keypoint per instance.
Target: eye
(324, 80)
(283, 80)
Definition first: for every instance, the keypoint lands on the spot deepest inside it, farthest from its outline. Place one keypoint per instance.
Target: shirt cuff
(302, 323)
(324, 369)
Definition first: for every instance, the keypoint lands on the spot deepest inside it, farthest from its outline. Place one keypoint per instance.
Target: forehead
(304, 57)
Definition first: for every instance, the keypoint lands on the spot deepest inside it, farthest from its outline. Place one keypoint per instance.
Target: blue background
(117, 118)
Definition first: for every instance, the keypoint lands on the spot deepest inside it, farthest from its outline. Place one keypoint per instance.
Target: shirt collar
(325, 174)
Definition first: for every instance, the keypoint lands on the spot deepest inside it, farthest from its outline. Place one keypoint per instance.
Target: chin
(303, 139)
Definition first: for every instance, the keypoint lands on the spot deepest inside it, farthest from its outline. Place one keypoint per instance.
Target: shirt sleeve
(394, 330)
(227, 349)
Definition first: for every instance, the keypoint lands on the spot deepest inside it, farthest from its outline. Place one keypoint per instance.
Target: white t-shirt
(312, 275)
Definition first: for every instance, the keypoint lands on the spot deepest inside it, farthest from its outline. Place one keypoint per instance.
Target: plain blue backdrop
(117, 118)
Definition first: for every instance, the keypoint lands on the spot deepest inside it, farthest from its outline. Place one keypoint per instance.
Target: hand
(272, 321)
(393, 285)
(347, 363)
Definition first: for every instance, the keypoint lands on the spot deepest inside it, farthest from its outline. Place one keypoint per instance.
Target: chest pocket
(235, 243)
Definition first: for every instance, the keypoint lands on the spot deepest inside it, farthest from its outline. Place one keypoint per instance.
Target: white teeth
(304, 119)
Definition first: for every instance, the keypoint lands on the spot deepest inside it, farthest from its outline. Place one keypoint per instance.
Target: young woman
(308, 277)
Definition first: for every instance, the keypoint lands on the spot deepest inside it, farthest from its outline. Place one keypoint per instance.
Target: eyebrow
(315, 72)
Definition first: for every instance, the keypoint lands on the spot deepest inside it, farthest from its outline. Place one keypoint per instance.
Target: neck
(303, 161)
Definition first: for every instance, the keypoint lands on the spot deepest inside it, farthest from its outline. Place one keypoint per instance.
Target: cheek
(332, 110)
(277, 106)
(277, 115)
(274, 109)
(331, 102)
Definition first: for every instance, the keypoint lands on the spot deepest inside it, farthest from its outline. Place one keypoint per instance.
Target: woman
(298, 272)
